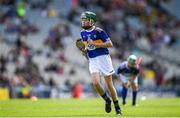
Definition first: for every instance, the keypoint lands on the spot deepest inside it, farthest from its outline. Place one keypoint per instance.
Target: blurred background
(38, 56)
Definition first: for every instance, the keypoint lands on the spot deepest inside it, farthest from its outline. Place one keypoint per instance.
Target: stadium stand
(39, 57)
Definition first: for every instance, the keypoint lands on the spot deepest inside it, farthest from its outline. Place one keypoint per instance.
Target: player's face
(86, 23)
(131, 64)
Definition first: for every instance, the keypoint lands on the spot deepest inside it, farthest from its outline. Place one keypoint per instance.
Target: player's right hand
(84, 51)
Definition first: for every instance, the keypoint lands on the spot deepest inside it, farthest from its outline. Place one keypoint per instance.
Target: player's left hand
(90, 42)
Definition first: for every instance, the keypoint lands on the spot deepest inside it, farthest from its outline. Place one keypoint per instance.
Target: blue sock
(134, 97)
(124, 94)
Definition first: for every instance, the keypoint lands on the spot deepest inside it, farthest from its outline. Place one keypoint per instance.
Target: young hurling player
(96, 42)
(128, 71)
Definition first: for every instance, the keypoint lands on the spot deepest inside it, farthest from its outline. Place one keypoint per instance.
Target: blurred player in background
(128, 71)
(96, 42)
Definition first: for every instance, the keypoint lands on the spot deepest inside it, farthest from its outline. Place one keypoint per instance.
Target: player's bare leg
(134, 94)
(109, 83)
(112, 90)
(101, 91)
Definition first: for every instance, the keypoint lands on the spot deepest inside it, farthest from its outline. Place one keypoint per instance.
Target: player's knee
(96, 82)
(125, 85)
(135, 87)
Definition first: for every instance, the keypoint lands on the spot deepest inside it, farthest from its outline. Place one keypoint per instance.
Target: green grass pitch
(92, 107)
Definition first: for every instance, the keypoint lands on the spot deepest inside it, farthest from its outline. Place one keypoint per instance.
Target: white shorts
(102, 64)
(125, 79)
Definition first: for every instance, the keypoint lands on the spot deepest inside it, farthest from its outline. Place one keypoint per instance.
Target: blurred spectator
(2, 64)
(54, 39)
(4, 81)
(21, 9)
(77, 90)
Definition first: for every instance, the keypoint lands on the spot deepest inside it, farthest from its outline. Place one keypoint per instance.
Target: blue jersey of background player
(128, 71)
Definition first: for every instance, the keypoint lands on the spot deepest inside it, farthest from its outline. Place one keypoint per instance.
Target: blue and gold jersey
(126, 71)
(97, 35)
